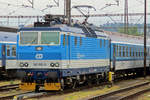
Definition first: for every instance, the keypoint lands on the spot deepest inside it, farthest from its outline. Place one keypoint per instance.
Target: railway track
(9, 87)
(42, 94)
(10, 97)
(7, 92)
(50, 93)
(125, 93)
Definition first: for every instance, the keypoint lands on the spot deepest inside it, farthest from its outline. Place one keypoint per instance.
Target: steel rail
(103, 96)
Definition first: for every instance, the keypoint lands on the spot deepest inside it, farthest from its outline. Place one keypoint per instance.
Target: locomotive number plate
(39, 64)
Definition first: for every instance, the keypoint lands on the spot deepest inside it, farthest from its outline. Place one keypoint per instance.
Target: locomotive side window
(51, 38)
(13, 50)
(29, 38)
(104, 42)
(64, 39)
(80, 41)
(75, 41)
(8, 50)
(67, 39)
(100, 43)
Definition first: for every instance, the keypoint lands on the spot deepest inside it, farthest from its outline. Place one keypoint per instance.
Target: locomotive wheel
(62, 84)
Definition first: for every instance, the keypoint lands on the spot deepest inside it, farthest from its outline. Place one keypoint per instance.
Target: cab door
(3, 51)
(68, 49)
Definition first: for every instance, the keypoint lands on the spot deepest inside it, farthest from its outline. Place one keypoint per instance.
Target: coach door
(3, 55)
(114, 57)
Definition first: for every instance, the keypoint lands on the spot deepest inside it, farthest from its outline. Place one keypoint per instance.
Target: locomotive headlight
(21, 65)
(57, 65)
(52, 64)
(26, 64)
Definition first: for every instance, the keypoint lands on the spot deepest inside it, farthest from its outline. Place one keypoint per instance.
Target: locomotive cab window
(28, 38)
(50, 38)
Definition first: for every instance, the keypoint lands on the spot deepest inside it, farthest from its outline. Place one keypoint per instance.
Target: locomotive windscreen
(36, 38)
(49, 38)
(29, 38)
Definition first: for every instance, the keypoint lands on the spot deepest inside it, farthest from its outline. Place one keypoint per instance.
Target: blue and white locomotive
(58, 55)
(61, 55)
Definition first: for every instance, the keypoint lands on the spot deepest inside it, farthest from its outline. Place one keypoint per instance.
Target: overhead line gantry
(91, 15)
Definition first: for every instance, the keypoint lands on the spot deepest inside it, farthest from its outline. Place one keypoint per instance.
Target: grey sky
(11, 7)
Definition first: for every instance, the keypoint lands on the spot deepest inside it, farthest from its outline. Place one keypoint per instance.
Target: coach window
(141, 53)
(148, 52)
(136, 52)
(64, 39)
(127, 51)
(13, 50)
(133, 52)
(116, 50)
(130, 52)
(75, 40)
(123, 51)
(120, 51)
(8, 50)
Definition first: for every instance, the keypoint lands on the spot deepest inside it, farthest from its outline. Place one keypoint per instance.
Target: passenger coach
(7, 53)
